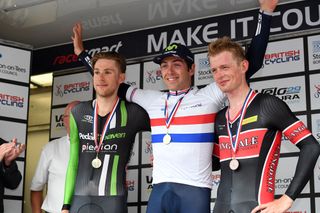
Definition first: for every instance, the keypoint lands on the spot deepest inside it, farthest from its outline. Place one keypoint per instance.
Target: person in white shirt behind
(51, 171)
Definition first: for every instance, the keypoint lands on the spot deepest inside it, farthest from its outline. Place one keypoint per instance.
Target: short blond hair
(226, 44)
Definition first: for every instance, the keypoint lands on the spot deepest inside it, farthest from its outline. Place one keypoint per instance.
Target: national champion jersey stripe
(185, 120)
(185, 138)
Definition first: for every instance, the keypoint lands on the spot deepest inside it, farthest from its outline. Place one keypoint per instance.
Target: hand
(280, 205)
(5, 148)
(14, 152)
(268, 5)
(77, 38)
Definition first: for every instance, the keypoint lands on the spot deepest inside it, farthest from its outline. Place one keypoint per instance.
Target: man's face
(175, 73)
(227, 72)
(106, 77)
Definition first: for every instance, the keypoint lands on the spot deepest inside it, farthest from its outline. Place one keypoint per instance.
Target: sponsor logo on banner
(288, 94)
(149, 179)
(316, 93)
(283, 183)
(71, 58)
(12, 70)
(59, 121)
(11, 100)
(316, 52)
(148, 147)
(72, 88)
(215, 179)
(282, 57)
(153, 76)
(130, 184)
(203, 74)
(318, 129)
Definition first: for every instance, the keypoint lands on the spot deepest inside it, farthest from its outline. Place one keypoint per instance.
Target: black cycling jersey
(253, 182)
(88, 187)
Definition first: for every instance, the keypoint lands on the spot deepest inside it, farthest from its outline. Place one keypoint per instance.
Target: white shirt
(51, 170)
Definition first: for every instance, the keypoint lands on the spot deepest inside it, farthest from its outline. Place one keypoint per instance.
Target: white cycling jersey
(187, 158)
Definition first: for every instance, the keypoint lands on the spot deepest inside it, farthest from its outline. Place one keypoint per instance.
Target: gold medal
(234, 164)
(96, 163)
(166, 139)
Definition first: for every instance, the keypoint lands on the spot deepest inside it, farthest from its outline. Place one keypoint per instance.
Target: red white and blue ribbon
(169, 116)
(106, 125)
(234, 142)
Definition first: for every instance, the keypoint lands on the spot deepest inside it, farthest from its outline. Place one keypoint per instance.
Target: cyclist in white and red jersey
(182, 122)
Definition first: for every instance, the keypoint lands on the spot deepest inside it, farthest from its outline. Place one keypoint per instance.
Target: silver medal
(96, 163)
(166, 139)
(234, 164)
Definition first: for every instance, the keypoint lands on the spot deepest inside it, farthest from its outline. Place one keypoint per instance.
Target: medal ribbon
(234, 143)
(169, 117)
(106, 125)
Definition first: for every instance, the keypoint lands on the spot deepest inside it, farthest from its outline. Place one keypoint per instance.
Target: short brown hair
(226, 44)
(118, 58)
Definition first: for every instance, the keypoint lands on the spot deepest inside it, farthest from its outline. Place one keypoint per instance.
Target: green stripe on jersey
(124, 114)
(113, 185)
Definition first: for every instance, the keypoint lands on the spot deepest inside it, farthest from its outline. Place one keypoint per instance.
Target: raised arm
(258, 46)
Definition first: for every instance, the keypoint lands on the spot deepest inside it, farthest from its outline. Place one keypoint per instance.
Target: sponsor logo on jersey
(288, 94)
(89, 136)
(89, 147)
(72, 88)
(11, 100)
(282, 57)
(72, 58)
(272, 168)
(153, 76)
(191, 107)
(130, 185)
(244, 142)
(251, 119)
(87, 118)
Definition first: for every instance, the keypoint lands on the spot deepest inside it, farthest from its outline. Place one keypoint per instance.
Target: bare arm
(77, 38)
(36, 201)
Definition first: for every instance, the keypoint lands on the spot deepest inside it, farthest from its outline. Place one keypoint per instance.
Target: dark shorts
(179, 198)
(99, 204)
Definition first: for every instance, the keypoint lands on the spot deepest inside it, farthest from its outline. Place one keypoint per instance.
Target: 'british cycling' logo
(282, 57)
(77, 87)
(130, 185)
(11, 100)
(153, 76)
(317, 92)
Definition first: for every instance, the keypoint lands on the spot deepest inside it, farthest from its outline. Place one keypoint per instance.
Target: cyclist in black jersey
(248, 133)
(102, 133)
